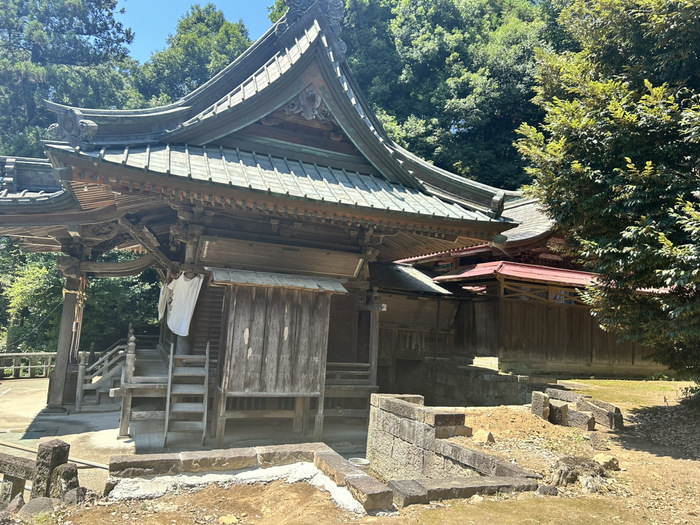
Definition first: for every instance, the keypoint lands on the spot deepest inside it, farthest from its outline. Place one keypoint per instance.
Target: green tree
(204, 43)
(617, 164)
(31, 300)
(451, 80)
(55, 47)
(276, 10)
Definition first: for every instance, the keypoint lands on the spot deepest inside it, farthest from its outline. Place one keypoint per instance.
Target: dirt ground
(659, 481)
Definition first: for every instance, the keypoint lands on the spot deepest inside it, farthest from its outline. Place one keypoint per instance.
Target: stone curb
(408, 492)
(372, 494)
(482, 462)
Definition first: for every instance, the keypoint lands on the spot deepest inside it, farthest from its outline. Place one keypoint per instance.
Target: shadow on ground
(666, 430)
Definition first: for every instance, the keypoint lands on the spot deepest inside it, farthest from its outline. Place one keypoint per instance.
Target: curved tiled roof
(278, 176)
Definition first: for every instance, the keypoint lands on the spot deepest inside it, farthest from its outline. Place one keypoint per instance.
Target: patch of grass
(529, 510)
(629, 393)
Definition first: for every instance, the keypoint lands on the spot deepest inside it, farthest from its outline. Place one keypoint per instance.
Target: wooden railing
(100, 373)
(348, 374)
(31, 362)
(348, 389)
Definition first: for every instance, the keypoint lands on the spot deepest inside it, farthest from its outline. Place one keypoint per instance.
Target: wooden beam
(118, 269)
(148, 241)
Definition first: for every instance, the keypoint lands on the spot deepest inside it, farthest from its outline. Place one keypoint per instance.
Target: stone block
(407, 430)
(391, 423)
(564, 395)
(335, 466)
(457, 469)
(275, 455)
(605, 414)
(414, 462)
(10, 487)
(424, 436)
(437, 418)
(582, 420)
(433, 465)
(379, 447)
(467, 487)
(401, 408)
(408, 492)
(219, 460)
(482, 462)
(558, 412)
(540, 405)
(75, 496)
(371, 493)
(599, 441)
(16, 467)
(63, 479)
(36, 506)
(508, 470)
(414, 399)
(145, 466)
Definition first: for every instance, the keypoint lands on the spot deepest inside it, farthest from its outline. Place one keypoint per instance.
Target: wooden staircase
(187, 395)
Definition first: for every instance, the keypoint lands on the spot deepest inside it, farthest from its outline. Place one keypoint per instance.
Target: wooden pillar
(374, 337)
(65, 338)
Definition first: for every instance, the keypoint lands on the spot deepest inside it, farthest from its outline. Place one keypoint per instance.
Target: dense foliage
(31, 300)
(617, 164)
(452, 80)
(56, 50)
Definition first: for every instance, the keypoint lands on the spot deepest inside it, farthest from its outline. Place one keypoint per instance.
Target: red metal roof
(527, 272)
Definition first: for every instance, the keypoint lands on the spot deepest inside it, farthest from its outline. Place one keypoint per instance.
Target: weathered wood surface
(276, 341)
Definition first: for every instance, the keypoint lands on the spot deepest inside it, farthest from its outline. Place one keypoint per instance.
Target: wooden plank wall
(477, 328)
(533, 333)
(276, 340)
(407, 328)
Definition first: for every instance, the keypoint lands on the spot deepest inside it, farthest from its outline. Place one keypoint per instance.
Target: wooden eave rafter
(63, 219)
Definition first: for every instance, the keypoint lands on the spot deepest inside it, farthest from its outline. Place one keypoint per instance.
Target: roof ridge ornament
(73, 128)
(332, 10)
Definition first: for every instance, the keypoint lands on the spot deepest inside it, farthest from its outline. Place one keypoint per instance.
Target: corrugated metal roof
(280, 176)
(401, 277)
(280, 280)
(528, 272)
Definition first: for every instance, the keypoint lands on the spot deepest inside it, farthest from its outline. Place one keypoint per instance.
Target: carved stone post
(81, 380)
(50, 455)
(70, 268)
(127, 378)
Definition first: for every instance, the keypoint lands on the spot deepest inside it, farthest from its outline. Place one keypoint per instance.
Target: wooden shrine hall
(261, 198)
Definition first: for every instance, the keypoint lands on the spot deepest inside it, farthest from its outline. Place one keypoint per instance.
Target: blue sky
(153, 20)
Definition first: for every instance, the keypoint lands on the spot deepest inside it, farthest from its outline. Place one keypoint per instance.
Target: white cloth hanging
(163, 300)
(183, 298)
